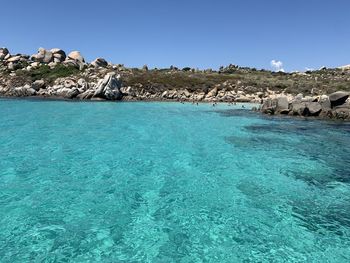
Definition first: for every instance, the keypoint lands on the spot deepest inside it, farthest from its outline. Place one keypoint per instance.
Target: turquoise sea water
(167, 182)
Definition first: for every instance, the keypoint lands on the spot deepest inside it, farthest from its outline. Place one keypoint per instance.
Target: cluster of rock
(50, 57)
(106, 84)
(213, 95)
(103, 86)
(334, 106)
(108, 88)
(47, 56)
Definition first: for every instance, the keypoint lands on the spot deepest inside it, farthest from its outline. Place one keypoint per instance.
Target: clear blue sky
(204, 34)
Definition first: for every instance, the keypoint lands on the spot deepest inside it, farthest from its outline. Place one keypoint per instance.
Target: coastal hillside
(54, 73)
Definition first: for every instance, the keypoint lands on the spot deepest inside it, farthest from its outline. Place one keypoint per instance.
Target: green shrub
(60, 71)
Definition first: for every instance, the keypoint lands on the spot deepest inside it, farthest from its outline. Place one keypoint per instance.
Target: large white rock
(109, 88)
(76, 55)
(67, 93)
(43, 56)
(24, 91)
(14, 59)
(76, 58)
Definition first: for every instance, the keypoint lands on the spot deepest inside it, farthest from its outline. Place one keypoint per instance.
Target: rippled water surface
(167, 182)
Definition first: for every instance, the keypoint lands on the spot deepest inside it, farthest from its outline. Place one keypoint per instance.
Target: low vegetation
(46, 73)
(323, 81)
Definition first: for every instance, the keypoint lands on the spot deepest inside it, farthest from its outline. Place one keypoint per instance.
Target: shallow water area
(170, 182)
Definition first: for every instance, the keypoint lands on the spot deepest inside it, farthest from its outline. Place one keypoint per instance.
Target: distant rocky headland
(52, 73)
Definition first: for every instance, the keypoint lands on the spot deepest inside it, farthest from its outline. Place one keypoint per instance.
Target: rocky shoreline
(98, 80)
(334, 106)
(52, 74)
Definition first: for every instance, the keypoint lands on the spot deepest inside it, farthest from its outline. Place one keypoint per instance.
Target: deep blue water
(167, 182)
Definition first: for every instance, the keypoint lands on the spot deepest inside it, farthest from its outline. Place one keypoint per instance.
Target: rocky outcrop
(99, 62)
(109, 88)
(24, 91)
(76, 55)
(334, 106)
(50, 57)
(312, 109)
(43, 56)
(76, 59)
(338, 98)
(14, 59)
(276, 105)
(67, 93)
(58, 55)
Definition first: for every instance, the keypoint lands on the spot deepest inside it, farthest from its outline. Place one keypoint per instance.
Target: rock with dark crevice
(312, 109)
(58, 55)
(338, 98)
